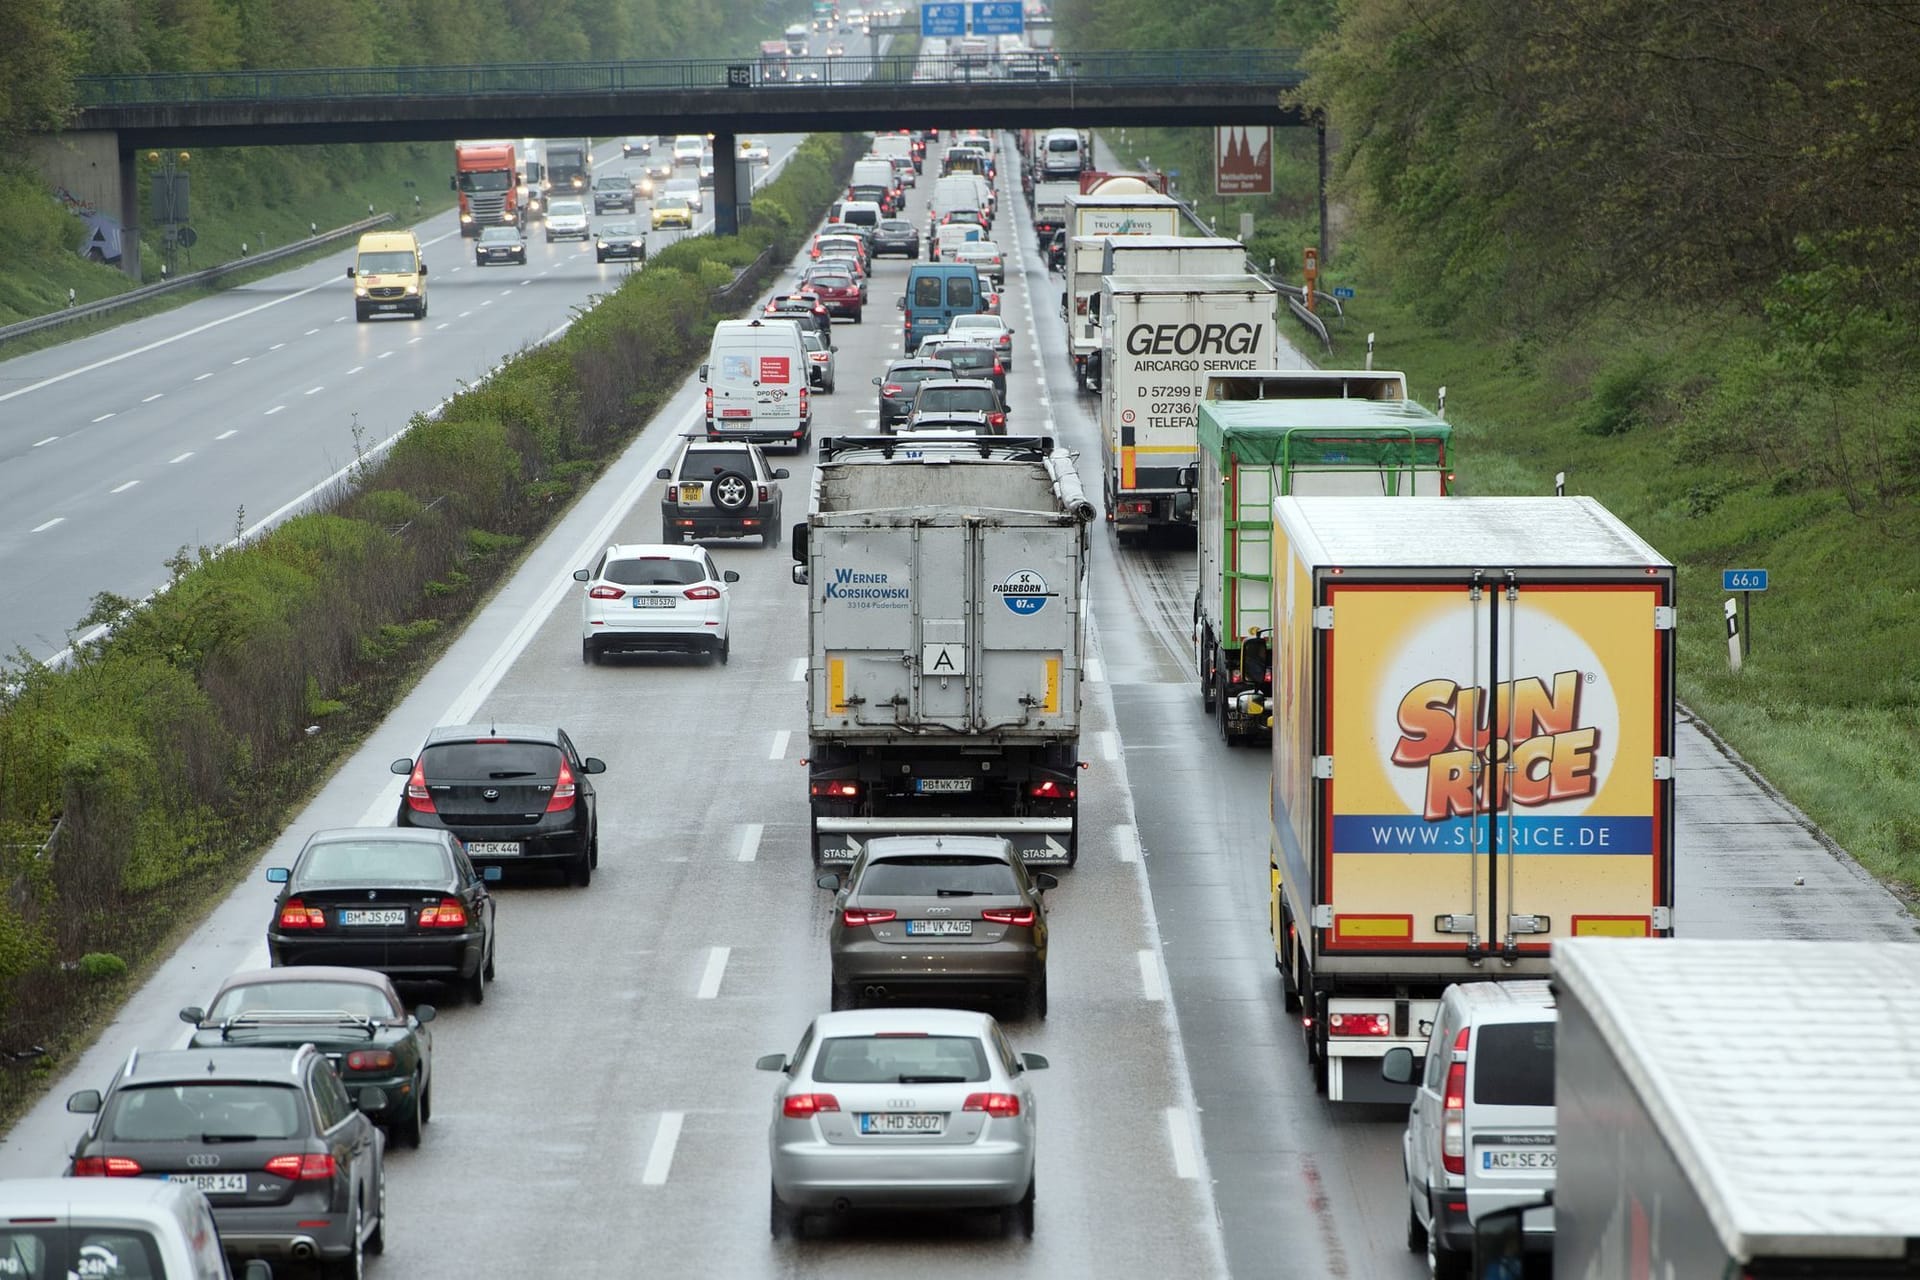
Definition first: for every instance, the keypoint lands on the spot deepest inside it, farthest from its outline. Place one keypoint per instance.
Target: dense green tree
(36, 68)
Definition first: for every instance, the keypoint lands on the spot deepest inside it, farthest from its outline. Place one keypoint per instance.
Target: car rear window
(912, 377)
(42, 1251)
(897, 228)
(213, 1109)
(926, 291)
(959, 291)
(1513, 1064)
(927, 875)
(832, 281)
(655, 571)
(965, 399)
(491, 760)
(967, 357)
(377, 861)
(900, 1059)
(302, 997)
(704, 464)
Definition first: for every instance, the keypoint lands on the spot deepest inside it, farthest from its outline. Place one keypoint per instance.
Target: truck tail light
(562, 798)
(1453, 1118)
(858, 917)
(709, 405)
(798, 1106)
(1001, 1106)
(1359, 1024)
(448, 914)
(842, 790)
(1023, 917)
(1051, 789)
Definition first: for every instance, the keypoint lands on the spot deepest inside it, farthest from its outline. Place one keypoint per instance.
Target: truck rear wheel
(1209, 672)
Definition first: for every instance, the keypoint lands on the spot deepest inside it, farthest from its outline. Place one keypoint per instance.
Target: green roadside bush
(135, 783)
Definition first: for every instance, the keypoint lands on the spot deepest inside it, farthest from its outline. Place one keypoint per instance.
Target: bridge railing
(1182, 66)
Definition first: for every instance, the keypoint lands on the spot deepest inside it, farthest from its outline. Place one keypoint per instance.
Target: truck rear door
(1029, 612)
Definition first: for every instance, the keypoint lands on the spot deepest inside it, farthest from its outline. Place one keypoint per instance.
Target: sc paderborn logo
(1024, 591)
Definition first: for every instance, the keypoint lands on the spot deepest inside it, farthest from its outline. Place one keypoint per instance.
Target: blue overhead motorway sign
(940, 21)
(999, 18)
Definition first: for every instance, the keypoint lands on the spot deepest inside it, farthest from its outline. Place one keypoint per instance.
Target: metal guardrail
(106, 305)
(1183, 66)
(746, 280)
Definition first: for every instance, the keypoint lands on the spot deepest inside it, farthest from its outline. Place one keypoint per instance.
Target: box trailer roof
(1186, 284)
(1516, 533)
(1274, 432)
(1128, 244)
(1783, 1076)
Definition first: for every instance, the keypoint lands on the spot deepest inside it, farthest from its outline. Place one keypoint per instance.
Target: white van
(864, 214)
(756, 376)
(1062, 154)
(872, 173)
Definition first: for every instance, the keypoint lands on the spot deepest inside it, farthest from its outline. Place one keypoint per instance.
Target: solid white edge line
(780, 740)
(1109, 745)
(1180, 1137)
(660, 1156)
(1151, 987)
(1126, 844)
(750, 840)
(715, 971)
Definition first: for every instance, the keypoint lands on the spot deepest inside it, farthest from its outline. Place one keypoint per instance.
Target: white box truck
(1473, 727)
(947, 628)
(1161, 338)
(1050, 208)
(1133, 254)
(1737, 1109)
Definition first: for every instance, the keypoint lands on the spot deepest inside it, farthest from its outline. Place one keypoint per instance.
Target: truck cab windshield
(486, 180)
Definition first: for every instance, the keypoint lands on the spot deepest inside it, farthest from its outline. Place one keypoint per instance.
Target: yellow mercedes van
(388, 275)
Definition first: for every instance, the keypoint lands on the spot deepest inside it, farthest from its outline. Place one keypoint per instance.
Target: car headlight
(600, 244)
(360, 291)
(466, 217)
(413, 288)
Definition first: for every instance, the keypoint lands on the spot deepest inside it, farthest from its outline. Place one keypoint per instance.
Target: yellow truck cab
(389, 275)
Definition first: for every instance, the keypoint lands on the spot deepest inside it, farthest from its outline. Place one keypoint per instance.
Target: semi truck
(1267, 435)
(1161, 338)
(1736, 1109)
(1472, 757)
(947, 631)
(1050, 208)
(569, 165)
(1092, 256)
(486, 178)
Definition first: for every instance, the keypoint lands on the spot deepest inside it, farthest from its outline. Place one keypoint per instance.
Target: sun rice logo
(1443, 730)
(867, 590)
(1024, 591)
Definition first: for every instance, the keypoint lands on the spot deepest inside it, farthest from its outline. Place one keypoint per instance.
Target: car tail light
(1001, 1106)
(1359, 1024)
(105, 1167)
(1453, 1122)
(702, 593)
(370, 1060)
(798, 1106)
(892, 389)
(837, 790)
(612, 593)
(419, 799)
(763, 494)
(563, 789)
(449, 914)
(298, 915)
(1021, 916)
(803, 402)
(310, 1167)
(998, 367)
(673, 494)
(709, 404)
(997, 419)
(857, 917)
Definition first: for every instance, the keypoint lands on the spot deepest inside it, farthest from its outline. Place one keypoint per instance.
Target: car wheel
(426, 1104)
(843, 997)
(354, 1265)
(725, 650)
(784, 1221)
(1444, 1263)
(493, 949)
(600, 257)
(593, 849)
(580, 872)
(1017, 1219)
(477, 985)
(857, 314)
(587, 654)
(1037, 997)
(1416, 1234)
(408, 1130)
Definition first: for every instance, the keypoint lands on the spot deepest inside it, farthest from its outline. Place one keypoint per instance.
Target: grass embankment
(163, 759)
(1720, 461)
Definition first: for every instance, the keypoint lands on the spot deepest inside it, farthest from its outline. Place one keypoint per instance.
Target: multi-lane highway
(599, 1115)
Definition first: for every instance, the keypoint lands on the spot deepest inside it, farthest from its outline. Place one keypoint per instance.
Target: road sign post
(1746, 582)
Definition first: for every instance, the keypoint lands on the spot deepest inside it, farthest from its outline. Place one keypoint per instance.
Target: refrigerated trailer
(947, 628)
(1737, 1109)
(1270, 434)
(1473, 730)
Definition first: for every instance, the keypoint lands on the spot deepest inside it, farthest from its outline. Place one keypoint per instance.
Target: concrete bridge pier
(726, 191)
(90, 171)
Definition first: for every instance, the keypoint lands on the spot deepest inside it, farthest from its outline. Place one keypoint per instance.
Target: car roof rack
(263, 1019)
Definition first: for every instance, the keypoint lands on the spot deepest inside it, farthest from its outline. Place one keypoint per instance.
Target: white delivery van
(756, 376)
(1062, 154)
(871, 173)
(889, 145)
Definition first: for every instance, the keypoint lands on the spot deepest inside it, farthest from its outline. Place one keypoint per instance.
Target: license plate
(393, 915)
(691, 492)
(493, 848)
(930, 786)
(1517, 1158)
(901, 1121)
(212, 1183)
(653, 602)
(922, 928)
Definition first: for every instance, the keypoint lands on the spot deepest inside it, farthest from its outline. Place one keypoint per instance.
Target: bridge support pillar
(726, 189)
(129, 212)
(92, 175)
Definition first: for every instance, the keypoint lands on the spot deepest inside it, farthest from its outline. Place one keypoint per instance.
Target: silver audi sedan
(902, 1109)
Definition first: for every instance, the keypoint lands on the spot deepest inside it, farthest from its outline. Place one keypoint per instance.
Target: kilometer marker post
(1733, 634)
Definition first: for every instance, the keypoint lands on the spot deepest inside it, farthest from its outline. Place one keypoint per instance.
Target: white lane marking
(750, 841)
(384, 354)
(277, 408)
(486, 302)
(203, 377)
(357, 368)
(660, 1158)
(715, 971)
(1150, 985)
(243, 359)
(309, 333)
(155, 396)
(1186, 1153)
(456, 271)
(799, 668)
(276, 346)
(182, 458)
(780, 740)
(42, 528)
(315, 391)
(505, 292)
(438, 327)
(1096, 670)
(123, 488)
(230, 431)
(338, 319)
(1109, 745)
(416, 337)
(1126, 845)
(462, 316)
(48, 440)
(103, 417)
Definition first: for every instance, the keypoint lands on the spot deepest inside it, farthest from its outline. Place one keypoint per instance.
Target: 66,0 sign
(1743, 579)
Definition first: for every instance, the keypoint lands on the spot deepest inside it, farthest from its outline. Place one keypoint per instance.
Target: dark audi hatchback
(515, 794)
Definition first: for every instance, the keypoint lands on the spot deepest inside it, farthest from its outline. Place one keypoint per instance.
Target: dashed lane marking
(716, 970)
(750, 841)
(123, 488)
(42, 528)
(780, 739)
(48, 440)
(660, 1156)
(182, 458)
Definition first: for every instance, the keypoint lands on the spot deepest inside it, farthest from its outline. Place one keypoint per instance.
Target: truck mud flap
(1040, 842)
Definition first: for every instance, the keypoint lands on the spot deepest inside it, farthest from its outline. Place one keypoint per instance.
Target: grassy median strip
(137, 784)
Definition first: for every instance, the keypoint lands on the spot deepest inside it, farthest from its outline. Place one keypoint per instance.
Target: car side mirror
(493, 875)
(830, 882)
(799, 574)
(1397, 1066)
(833, 348)
(258, 1269)
(770, 1062)
(403, 765)
(425, 1013)
(1045, 880)
(899, 304)
(84, 1103)
(876, 382)
(664, 473)
(703, 373)
(278, 875)
(1033, 1062)
(193, 1015)
(594, 764)
(351, 273)
(780, 473)
(730, 575)
(371, 1101)
(579, 575)
(1500, 1238)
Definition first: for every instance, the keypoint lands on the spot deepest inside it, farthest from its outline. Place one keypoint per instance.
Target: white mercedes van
(756, 376)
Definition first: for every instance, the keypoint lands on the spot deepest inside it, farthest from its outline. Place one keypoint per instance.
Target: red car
(838, 291)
